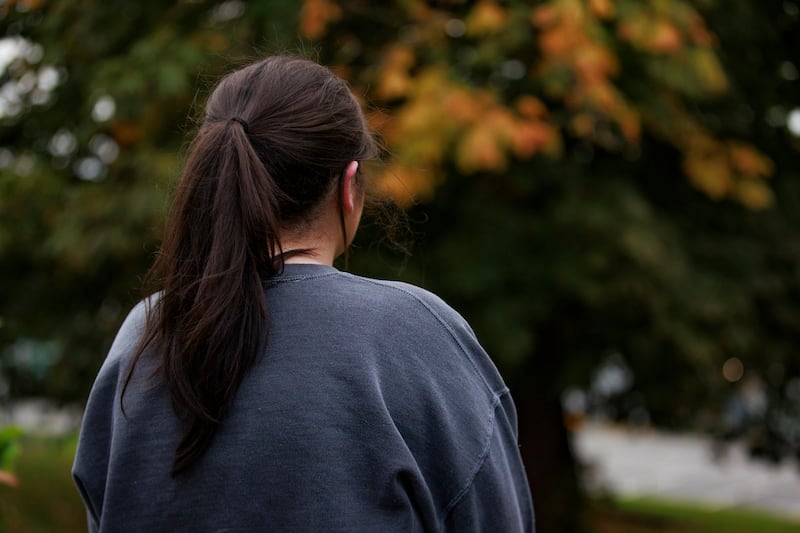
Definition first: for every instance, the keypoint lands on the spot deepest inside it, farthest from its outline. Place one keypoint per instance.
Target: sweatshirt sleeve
(90, 467)
(498, 498)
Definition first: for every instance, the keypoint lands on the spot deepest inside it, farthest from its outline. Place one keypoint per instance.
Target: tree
(94, 112)
(552, 137)
(592, 172)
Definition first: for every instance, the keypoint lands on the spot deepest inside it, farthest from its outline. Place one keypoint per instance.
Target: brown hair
(276, 138)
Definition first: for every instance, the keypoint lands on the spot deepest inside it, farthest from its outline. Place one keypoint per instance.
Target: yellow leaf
(708, 169)
(426, 148)
(582, 124)
(594, 63)
(754, 194)
(654, 34)
(602, 96)
(393, 84)
(420, 115)
(394, 81)
(462, 106)
(707, 66)
(486, 18)
(603, 9)
(478, 150)
(501, 123)
(405, 184)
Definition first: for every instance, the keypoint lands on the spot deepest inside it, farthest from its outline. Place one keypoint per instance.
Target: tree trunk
(553, 471)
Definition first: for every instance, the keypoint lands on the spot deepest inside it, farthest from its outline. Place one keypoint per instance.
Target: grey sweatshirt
(374, 408)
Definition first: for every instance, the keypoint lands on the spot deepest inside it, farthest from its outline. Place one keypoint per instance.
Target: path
(681, 468)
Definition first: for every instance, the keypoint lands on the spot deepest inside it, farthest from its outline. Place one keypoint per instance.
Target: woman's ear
(351, 191)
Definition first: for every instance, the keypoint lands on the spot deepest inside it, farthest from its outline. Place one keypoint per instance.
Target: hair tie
(243, 122)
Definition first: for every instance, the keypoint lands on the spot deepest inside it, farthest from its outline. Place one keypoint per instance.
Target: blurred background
(608, 190)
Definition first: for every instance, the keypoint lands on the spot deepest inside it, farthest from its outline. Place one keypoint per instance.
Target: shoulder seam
(479, 465)
(444, 324)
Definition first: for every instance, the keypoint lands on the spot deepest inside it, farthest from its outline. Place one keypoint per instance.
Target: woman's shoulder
(126, 340)
(412, 301)
(132, 327)
(424, 315)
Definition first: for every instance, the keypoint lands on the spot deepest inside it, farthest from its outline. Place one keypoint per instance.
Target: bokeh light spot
(104, 109)
(788, 71)
(89, 169)
(793, 122)
(455, 27)
(63, 143)
(733, 369)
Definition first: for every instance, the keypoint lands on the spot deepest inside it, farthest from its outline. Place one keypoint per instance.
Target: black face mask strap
(341, 221)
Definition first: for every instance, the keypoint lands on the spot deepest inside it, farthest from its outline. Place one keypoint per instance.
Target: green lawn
(645, 515)
(46, 501)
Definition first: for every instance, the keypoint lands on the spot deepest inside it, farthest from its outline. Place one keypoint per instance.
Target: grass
(46, 500)
(646, 515)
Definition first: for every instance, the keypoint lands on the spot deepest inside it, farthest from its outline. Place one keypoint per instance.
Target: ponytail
(210, 320)
(249, 173)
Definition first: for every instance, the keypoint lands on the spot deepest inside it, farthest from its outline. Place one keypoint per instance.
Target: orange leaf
(665, 38)
(531, 137)
(531, 107)
(630, 125)
(126, 133)
(544, 16)
(708, 169)
(315, 17)
(462, 106)
(603, 9)
(749, 162)
(557, 41)
(698, 31)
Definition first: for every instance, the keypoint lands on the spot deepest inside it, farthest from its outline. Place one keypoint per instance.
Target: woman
(263, 390)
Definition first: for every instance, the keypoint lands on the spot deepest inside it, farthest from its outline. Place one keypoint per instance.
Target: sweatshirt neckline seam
(286, 278)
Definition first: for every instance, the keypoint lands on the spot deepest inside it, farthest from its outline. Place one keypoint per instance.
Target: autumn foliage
(475, 84)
